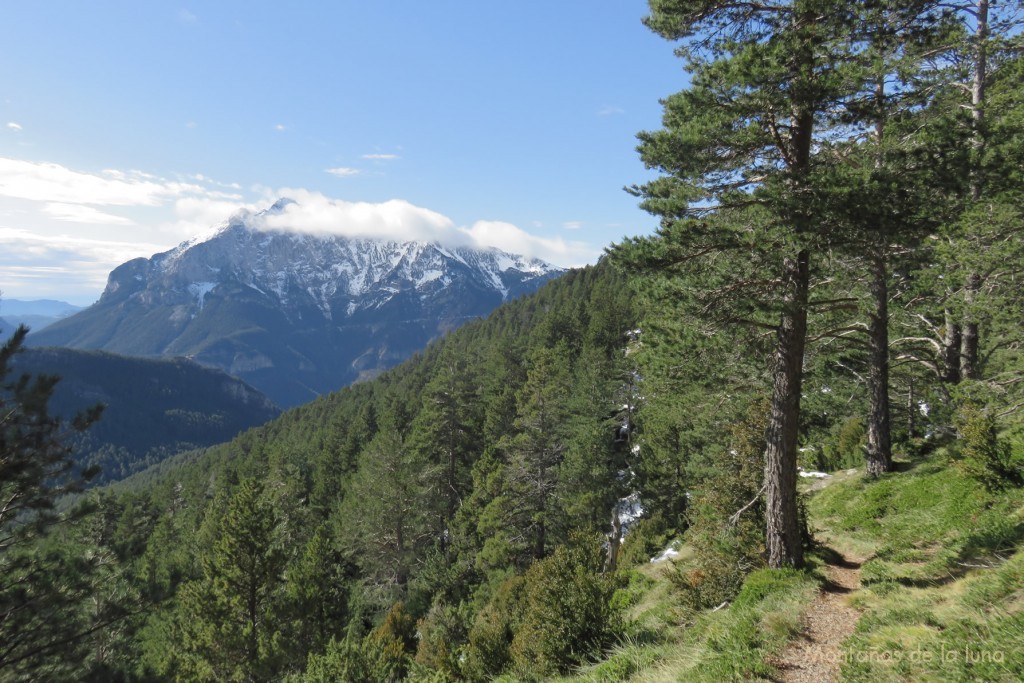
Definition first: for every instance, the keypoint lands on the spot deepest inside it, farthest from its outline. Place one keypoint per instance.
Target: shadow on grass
(987, 542)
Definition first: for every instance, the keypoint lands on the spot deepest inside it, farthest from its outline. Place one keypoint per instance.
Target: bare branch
(735, 519)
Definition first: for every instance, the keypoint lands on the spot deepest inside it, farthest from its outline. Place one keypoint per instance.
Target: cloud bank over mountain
(397, 219)
(63, 230)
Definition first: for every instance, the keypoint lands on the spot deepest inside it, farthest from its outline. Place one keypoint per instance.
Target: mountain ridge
(295, 314)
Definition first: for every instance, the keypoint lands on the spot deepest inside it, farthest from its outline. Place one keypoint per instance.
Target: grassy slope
(943, 595)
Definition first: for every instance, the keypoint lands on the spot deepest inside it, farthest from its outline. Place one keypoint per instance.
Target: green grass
(943, 596)
(667, 642)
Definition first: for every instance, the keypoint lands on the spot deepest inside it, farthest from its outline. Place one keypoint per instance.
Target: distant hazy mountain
(36, 314)
(155, 407)
(294, 315)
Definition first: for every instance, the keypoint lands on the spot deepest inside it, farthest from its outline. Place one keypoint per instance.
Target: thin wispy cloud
(342, 171)
(280, 127)
(12, 125)
(53, 265)
(610, 110)
(47, 182)
(79, 213)
(186, 17)
(61, 194)
(381, 157)
(572, 225)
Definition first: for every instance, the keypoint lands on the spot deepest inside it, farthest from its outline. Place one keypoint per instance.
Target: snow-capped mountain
(295, 315)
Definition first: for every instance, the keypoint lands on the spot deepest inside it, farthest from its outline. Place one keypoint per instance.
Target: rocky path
(816, 655)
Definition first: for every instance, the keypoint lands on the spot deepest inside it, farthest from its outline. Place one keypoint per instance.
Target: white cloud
(196, 216)
(511, 238)
(73, 196)
(66, 266)
(280, 127)
(186, 17)
(572, 225)
(396, 219)
(342, 171)
(45, 182)
(314, 213)
(62, 230)
(14, 126)
(381, 157)
(79, 213)
(610, 110)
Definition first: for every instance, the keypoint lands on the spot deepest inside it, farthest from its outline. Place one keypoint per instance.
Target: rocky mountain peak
(262, 303)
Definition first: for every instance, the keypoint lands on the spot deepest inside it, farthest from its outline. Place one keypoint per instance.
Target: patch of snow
(504, 261)
(448, 253)
(428, 276)
(669, 553)
(630, 510)
(816, 475)
(199, 290)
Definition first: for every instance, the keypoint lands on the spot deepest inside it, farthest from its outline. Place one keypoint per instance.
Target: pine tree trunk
(611, 561)
(911, 411)
(978, 93)
(951, 351)
(969, 342)
(969, 337)
(879, 451)
(784, 544)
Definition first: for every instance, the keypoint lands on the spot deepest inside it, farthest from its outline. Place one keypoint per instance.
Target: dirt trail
(816, 655)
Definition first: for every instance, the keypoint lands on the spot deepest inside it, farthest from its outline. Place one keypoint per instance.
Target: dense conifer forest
(835, 287)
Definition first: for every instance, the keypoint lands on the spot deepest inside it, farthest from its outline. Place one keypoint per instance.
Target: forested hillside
(835, 286)
(153, 409)
(426, 492)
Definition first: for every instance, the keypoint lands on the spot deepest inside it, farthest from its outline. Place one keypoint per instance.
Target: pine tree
(229, 615)
(446, 432)
(384, 522)
(518, 523)
(739, 151)
(43, 582)
(889, 190)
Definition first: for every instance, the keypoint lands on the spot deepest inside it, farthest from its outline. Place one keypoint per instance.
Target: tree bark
(951, 351)
(969, 342)
(611, 561)
(879, 451)
(969, 337)
(783, 540)
(978, 94)
(911, 411)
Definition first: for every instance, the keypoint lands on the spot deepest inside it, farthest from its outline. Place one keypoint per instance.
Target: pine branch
(735, 518)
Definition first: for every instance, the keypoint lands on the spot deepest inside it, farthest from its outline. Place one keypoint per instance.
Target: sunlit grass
(942, 597)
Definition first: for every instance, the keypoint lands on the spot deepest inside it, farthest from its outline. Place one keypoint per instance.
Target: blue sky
(127, 127)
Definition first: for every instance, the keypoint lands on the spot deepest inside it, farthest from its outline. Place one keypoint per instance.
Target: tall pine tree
(739, 152)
